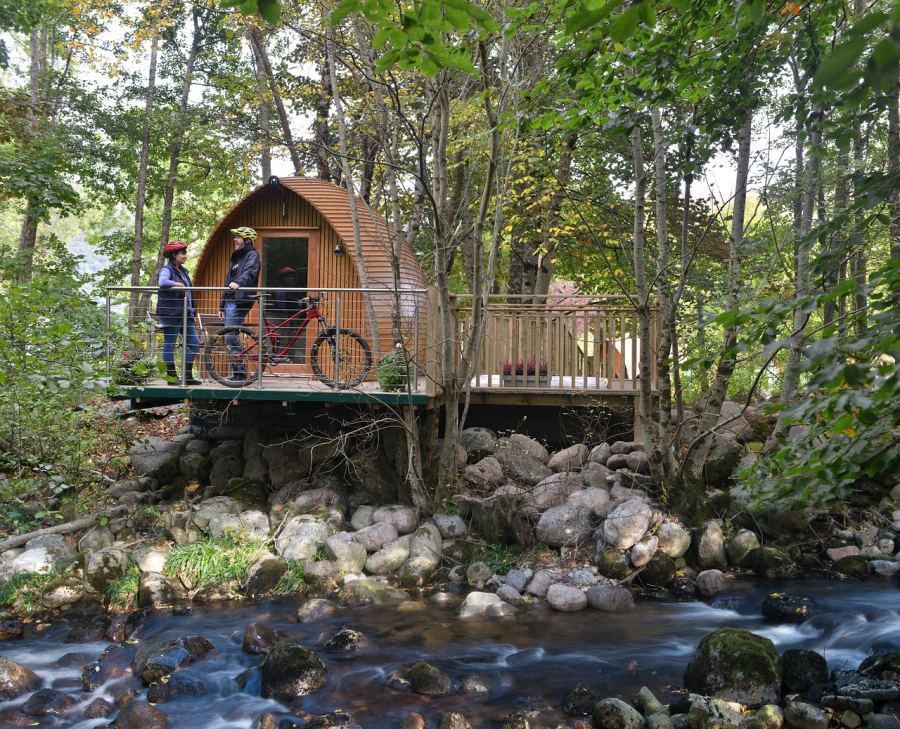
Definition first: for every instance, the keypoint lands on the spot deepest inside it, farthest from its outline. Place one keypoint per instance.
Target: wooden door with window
(289, 258)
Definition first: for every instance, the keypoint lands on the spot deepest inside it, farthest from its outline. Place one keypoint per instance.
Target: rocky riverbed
(242, 513)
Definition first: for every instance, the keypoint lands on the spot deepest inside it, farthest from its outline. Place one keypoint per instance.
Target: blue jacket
(244, 271)
(170, 300)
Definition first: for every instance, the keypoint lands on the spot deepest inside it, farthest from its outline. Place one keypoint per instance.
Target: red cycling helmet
(173, 248)
(286, 271)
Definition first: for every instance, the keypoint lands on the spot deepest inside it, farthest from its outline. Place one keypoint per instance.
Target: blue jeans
(234, 317)
(171, 329)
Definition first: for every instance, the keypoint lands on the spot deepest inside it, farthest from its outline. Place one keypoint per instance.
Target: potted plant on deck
(525, 375)
(392, 370)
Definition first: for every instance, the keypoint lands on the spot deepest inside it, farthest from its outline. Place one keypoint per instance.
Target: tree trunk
(259, 48)
(320, 125)
(894, 170)
(28, 232)
(134, 311)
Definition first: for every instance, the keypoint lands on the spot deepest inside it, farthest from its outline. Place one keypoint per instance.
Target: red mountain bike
(340, 358)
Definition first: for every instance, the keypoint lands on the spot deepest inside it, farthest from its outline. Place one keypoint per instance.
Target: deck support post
(638, 423)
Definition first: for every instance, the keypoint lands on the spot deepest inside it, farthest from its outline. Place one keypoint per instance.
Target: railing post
(337, 339)
(184, 346)
(108, 331)
(260, 342)
(415, 387)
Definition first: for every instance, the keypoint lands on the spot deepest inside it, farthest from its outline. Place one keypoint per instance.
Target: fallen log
(72, 526)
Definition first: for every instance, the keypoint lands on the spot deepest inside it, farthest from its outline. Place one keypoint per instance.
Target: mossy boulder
(289, 671)
(659, 571)
(735, 665)
(878, 666)
(428, 680)
(612, 563)
(772, 563)
(857, 566)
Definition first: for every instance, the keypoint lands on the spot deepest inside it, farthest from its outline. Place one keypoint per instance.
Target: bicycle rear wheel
(235, 364)
(345, 369)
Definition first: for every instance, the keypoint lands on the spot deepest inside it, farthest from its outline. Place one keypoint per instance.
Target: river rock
(616, 714)
(517, 579)
(477, 603)
(802, 669)
(388, 558)
(96, 539)
(156, 659)
(857, 566)
(50, 553)
(347, 641)
(540, 584)
(643, 551)
(427, 680)
(377, 536)
(638, 462)
(149, 558)
(173, 687)
(801, 715)
(884, 568)
(11, 629)
(452, 720)
(62, 590)
(566, 599)
(740, 546)
(105, 567)
(450, 526)
(347, 556)
(48, 702)
(768, 716)
(403, 518)
(216, 505)
(721, 462)
(579, 700)
(510, 595)
(140, 715)
(322, 575)
(485, 473)
(522, 463)
(289, 671)
(709, 544)
(154, 590)
(837, 553)
(369, 592)
(416, 572)
(316, 609)
(600, 453)
(98, 709)
(93, 630)
(478, 443)
(301, 538)
(772, 563)
(156, 458)
(259, 639)
(626, 524)
(659, 571)
(735, 665)
(426, 544)
(617, 461)
(674, 539)
(474, 685)
(649, 704)
(555, 490)
(598, 477)
(710, 713)
(564, 526)
(593, 499)
(788, 608)
(612, 563)
(710, 582)
(569, 459)
(610, 598)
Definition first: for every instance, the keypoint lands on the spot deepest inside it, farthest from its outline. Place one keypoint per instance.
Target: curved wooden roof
(333, 203)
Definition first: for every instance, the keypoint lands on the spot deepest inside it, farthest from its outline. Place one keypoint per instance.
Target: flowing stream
(529, 660)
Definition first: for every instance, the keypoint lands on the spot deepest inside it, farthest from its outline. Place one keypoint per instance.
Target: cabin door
(295, 250)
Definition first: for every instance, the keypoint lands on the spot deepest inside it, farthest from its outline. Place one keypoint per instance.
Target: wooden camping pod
(320, 212)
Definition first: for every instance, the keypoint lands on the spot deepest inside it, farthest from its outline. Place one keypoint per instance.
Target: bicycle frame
(310, 313)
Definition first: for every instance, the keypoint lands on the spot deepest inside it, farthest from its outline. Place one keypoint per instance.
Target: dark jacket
(244, 271)
(170, 300)
(286, 303)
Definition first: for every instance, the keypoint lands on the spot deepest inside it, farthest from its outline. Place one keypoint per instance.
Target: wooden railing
(573, 343)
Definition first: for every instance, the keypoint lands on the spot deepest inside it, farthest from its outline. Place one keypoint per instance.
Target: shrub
(392, 370)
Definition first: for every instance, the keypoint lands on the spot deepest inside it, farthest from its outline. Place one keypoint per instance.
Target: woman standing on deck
(174, 286)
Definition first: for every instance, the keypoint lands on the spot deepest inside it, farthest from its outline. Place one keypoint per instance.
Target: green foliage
(121, 595)
(213, 561)
(392, 370)
(292, 581)
(270, 10)
(23, 592)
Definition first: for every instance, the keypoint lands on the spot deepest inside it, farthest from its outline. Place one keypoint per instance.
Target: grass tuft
(121, 595)
(23, 592)
(293, 579)
(213, 561)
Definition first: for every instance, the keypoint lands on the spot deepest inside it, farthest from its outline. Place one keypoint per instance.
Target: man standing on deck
(243, 272)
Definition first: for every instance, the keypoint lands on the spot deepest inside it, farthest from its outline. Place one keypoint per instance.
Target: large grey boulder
(216, 505)
(600, 454)
(376, 536)
(616, 714)
(157, 458)
(610, 598)
(626, 524)
(254, 444)
(643, 551)
(426, 544)
(565, 598)
(569, 459)
(389, 558)
(334, 496)
(555, 490)
(264, 575)
(154, 590)
(194, 466)
(225, 470)
(721, 462)
(451, 526)
(478, 443)
(362, 517)
(96, 539)
(477, 603)
(374, 477)
(524, 463)
(313, 452)
(105, 567)
(486, 472)
(597, 476)
(404, 519)
(369, 592)
(562, 526)
(50, 553)
(673, 539)
(593, 499)
(222, 524)
(347, 556)
(735, 665)
(301, 538)
(740, 546)
(16, 680)
(709, 543)
(530, 445)
(62, 590)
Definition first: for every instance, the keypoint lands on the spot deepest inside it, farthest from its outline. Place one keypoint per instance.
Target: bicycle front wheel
(231, 356)
(340, 369)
